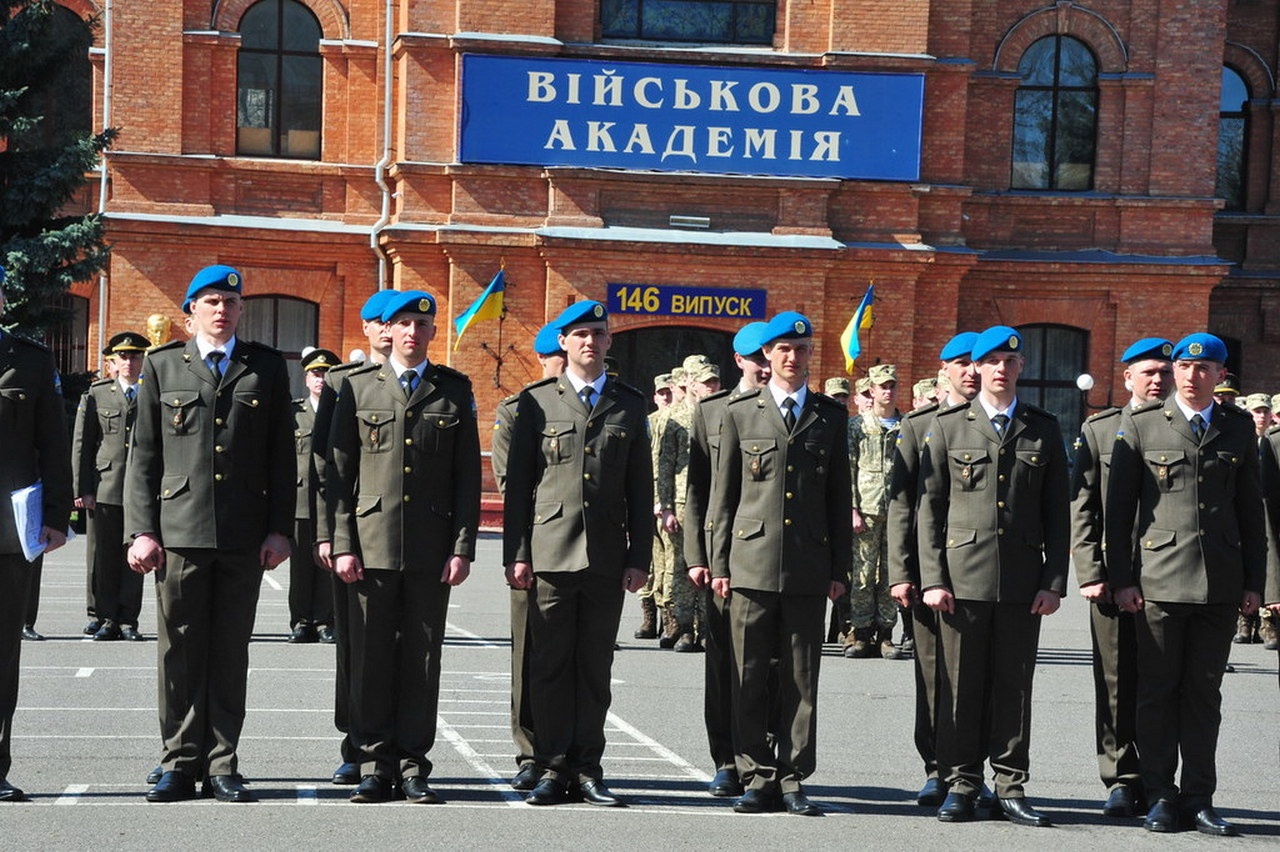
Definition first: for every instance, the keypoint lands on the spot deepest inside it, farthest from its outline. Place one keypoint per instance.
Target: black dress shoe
(29, 633)
(10, 793)
(548, 791)
(594, 792)
(228, 788)
(303, 634)
(154, 776)
(756, 801)
(173, 786)
(1018, 811)
(92, 627)
(347, 773)
(1207, 821)
(956, 807)
(417, 791)
(372, 790)
(725, 784)
(527, 778)
(325, 634)
(932, 793)
(1162, 817)
(1121, 803)
(986, 798)
(130, 634)
(798, 803)
(108, 632)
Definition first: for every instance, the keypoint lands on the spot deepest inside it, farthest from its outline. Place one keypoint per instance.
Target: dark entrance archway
(643, 353)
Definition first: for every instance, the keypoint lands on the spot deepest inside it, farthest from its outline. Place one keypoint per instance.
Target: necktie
(131, 392)
(789, 416)
(215, 364)
(588, 397)
(1197, 427)
(409, 378)
(1001, 422)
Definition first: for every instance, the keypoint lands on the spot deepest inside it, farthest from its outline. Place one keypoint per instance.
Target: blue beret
(959, 346)
(998, 338)
(580, 312)
(788, 324)
(409, 302)
(548, 340)
(747, 341)
(216, 277)
(372, 308)
(1148, 348)
(1200, 346)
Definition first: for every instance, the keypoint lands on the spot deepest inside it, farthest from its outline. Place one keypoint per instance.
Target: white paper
(28, 517)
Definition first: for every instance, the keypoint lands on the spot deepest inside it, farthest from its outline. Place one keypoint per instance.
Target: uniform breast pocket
(1227, 463)
(180, 411)
(817, 451)
(759, 458)
(1031, 464)
(302, 441)
(617, 438)
(558, 441)
(443, 428)
(1169, 467)
(970, 469)
(109, 421)
(376, 427)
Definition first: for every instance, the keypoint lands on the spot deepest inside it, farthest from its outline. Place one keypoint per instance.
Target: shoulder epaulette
(510, 400)
(1154, 405)
(720, 394)
(1273, 430)
(450, 372)
(299, 402)
(347, 365)
(952, 410)
(165, 347)
(363, 369)
(97, 383)
(922, 411)
(1104, 414)
(751, 394)
(550, 380)
(257, 345)
(1037, 410)
(826, 400)
(632, 389)
(1236, 411)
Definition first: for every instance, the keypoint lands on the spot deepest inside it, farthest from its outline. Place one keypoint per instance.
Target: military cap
(547, 342)
(611, 366)
(862, 385)
(788, 325)
(924, 387)
(836, 386)
(882, 374)
(747, 341)
(1206, 347)
(942, 382)
(216, 277)
(998, 338)
(704, 373)
(1229, 384)
(960, 346)
(1256, 401)
(692, 362)
(579, 313)
(127, 341)
(372, 308)
(319, 359)
(1275, 401)
(1146, 349)
(417, 302)
(663, 381)
(679, 377)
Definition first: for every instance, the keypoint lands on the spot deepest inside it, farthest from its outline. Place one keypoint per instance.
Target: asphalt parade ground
(86, 734)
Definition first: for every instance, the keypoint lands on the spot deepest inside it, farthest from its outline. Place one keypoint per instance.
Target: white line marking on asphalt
(71, 794)
(84, 672)
(463, 748)
(273, 582)
(307, 795)
(480, 641)
(658, 748)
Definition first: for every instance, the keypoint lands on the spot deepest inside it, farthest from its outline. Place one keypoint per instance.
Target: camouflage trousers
(655, 563)
(672, 587)
(869, 602)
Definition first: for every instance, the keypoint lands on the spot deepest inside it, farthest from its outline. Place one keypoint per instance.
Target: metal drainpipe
(380, 168)
(103, 289)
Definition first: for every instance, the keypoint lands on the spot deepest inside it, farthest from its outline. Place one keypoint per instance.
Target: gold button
(22, 396)
(177, 402)
(1000, 531)
(586, 504)
(440, 423)
(1000, 504)
(408, 442)
(1199, 479)
(588, 450)
(791, 441)
(217, 421)
(406, 498)
(1164, 458)
(408, 415)
(374, 418)
(167, 492)
(591, 423)
(1001, 477)
(622, 434)
(790, 495)
(408, 469)
(1201, 505)
(1035, 458)
(741, 533)
(297, 433)
(951, 542)
(787, 522)
(790, 468)
(218, 448)
(1201, 532)
(552, 432)
(586, 476)
(966, 456)
(755, 448)
(254, 403)
(1148, 543)
(217, 477)
(1002, 451)
(537, 517)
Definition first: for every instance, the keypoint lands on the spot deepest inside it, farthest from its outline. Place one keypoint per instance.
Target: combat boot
(649, 620)
(888, 650)
(1244, 631)
(1267, 630)
(670, 628)
(861, 644)
(687, 643)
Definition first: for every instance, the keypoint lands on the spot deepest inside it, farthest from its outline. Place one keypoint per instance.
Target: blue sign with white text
(649, 116)
(658, 300)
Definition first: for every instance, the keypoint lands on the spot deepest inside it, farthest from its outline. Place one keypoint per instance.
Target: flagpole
(498, 356)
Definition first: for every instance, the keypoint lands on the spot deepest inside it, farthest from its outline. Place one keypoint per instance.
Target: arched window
(713, 21)
(1233, 125)
(286, 323)
(1056, 355)
(1055, 116)
(63, 97)
(280, 81)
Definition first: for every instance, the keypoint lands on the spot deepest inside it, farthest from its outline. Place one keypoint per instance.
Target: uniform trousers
(768, 626)
(35, 570)
(521, 706)
(342, 671)
(573, 627)
(397, 631)
(14, 574)
(1115, 686)
(117, 589)
(90, 558)
(925, 623)
(206, 601)
(718, 682)
(1182, 654)
(987, 660)
(310, 592)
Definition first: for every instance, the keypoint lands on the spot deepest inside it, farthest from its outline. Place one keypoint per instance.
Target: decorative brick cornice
(1068, 19)
(334, 22)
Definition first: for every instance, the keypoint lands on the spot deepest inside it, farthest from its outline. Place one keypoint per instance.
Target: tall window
(280, 81)
(1233, 124)
(64, 97)
(716, 21)
(286, 323)
(69, 338)
(1055, 116)
(1056, 355)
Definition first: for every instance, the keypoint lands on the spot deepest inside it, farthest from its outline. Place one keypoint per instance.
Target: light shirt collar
(779, 395)
(1189, 412)
(579, 383)
(400, 369)
(124, 386)
(992, 411)
(314, 402)
(204, 347)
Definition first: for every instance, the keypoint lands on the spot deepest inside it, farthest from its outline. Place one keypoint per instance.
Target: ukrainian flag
(488, 306)
(862, 320)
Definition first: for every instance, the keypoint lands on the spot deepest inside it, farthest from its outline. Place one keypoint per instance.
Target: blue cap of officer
(1200, 346)
(372, 308)
(1147, 349)
(580, 312)
(959, 346)
(747, 341)
(216, 277)
(998, 338)
(548, 340)
(409, 302)
(788, 325)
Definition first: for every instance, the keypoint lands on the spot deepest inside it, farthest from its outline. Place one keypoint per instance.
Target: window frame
(279, 53)
(1051, 141)
(640, 34)
(1033, 389)
(1237, 205)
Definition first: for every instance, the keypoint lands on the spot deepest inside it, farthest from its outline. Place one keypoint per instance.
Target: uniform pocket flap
(173, 485)
(1158, 457)
(376, 416)
(759, 446)
(18, 394)
(180, 398)
(747, 528)
(253, 399)
(1228, 457)
(544, 512)
(969, 456)
(1035, 458)
(108, 412)
(959, 536)
(559, 427)
(367, 504)
(442, 421)
(1158, 539)
(105, 464)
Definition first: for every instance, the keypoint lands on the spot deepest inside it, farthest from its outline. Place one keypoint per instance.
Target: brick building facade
(1071, 176)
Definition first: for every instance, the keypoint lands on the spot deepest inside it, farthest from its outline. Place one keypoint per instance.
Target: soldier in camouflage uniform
(663, 392)
(872, 436)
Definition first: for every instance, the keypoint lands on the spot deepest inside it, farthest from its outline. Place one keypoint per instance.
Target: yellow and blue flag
(862, 320)
(488, 306)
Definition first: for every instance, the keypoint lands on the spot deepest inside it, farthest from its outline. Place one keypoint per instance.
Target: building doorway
(643, 353)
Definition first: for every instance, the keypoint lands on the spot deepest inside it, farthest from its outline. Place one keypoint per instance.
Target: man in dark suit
(704, 455)
(209, 496)
(403, 488)
(782, 543)
(1148, 374)
(1186, 552)
(34, 449)
(546, 346)
(99, 451)
(993, 534)
(904, 563)
(578, 531)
